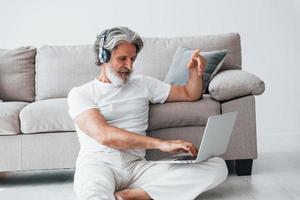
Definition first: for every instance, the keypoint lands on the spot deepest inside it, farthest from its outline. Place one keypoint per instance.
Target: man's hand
(197, 61)
(175, 146)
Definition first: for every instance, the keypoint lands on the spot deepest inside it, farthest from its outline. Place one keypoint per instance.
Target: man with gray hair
(111, 118)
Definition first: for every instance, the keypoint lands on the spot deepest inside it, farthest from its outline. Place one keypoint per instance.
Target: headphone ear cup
(105, 55)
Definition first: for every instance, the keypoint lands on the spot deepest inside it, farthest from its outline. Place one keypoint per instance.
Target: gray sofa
(36, 131)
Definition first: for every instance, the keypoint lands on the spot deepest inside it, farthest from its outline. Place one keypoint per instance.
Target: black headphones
(104, 54)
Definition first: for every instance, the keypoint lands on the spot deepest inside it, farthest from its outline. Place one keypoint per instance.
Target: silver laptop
(214, 142)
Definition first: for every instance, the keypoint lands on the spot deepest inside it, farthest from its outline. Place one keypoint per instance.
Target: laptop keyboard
(187, 158)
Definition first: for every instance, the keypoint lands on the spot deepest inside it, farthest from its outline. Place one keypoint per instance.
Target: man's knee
(93, 190)
(93, 180)
(93, 183)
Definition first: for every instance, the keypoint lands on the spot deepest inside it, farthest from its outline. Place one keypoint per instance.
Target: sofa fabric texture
(243, 144)
(178, 114)
(17, 73)
(60, 68)
(49, 115)
(9, 117)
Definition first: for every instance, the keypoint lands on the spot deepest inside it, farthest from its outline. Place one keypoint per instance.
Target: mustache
(125, 70)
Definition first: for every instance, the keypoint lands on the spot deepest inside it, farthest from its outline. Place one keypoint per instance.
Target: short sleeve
(158, 90)
(79, 101)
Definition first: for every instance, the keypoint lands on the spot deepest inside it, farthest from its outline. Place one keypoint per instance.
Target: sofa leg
(230, 166)
(243, 167)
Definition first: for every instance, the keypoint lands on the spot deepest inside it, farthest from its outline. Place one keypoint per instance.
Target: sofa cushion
(179, 72)
(235, 83)
(52, 115)
(176, 114)
(60, 68)
(46, 116)
(158, 53)
(9, 117)
(17, 74)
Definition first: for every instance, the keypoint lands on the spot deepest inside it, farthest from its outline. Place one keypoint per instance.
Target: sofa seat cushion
(52, 115)
(177, 114)
(9, 117)
(46, 116)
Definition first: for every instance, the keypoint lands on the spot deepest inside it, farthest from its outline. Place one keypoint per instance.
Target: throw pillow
(231, 84)
(179, 73)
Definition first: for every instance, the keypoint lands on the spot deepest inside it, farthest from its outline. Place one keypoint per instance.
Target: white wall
(269, 29)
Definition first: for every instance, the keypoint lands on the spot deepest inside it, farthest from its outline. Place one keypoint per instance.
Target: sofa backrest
(17, 73)
(59, 68)
(157, 54)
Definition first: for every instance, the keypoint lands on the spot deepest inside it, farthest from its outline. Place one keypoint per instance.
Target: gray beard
(114, 78)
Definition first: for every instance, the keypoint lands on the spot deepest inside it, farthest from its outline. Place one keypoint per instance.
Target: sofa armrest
(231, 84)
(243, 142)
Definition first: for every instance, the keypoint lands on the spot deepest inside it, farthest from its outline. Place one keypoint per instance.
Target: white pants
(100, 175)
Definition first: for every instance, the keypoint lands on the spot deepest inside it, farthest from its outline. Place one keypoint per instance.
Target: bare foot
(132, 194)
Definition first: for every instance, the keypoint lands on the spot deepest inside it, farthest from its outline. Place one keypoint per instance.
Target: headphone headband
(104, 54)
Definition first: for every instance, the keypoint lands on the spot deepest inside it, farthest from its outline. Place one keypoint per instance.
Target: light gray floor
(276, 175)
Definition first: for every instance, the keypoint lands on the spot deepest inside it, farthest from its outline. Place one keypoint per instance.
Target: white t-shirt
(125, 107)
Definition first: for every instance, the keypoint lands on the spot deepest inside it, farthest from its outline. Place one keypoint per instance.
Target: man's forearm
(194, 86)
(92, 123)
(122, 139)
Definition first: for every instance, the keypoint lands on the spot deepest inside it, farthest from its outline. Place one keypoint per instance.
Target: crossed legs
(149, 181)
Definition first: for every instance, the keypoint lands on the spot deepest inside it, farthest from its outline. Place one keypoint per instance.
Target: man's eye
(122, 58)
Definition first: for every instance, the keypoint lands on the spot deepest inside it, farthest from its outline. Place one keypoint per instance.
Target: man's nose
(129, 64)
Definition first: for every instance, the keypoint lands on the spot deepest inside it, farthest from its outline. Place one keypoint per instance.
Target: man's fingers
(199, 66)
(189, 148)
(195, 54)
(185, 148)
(196, 61)
(197, 51)
(193, 149)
